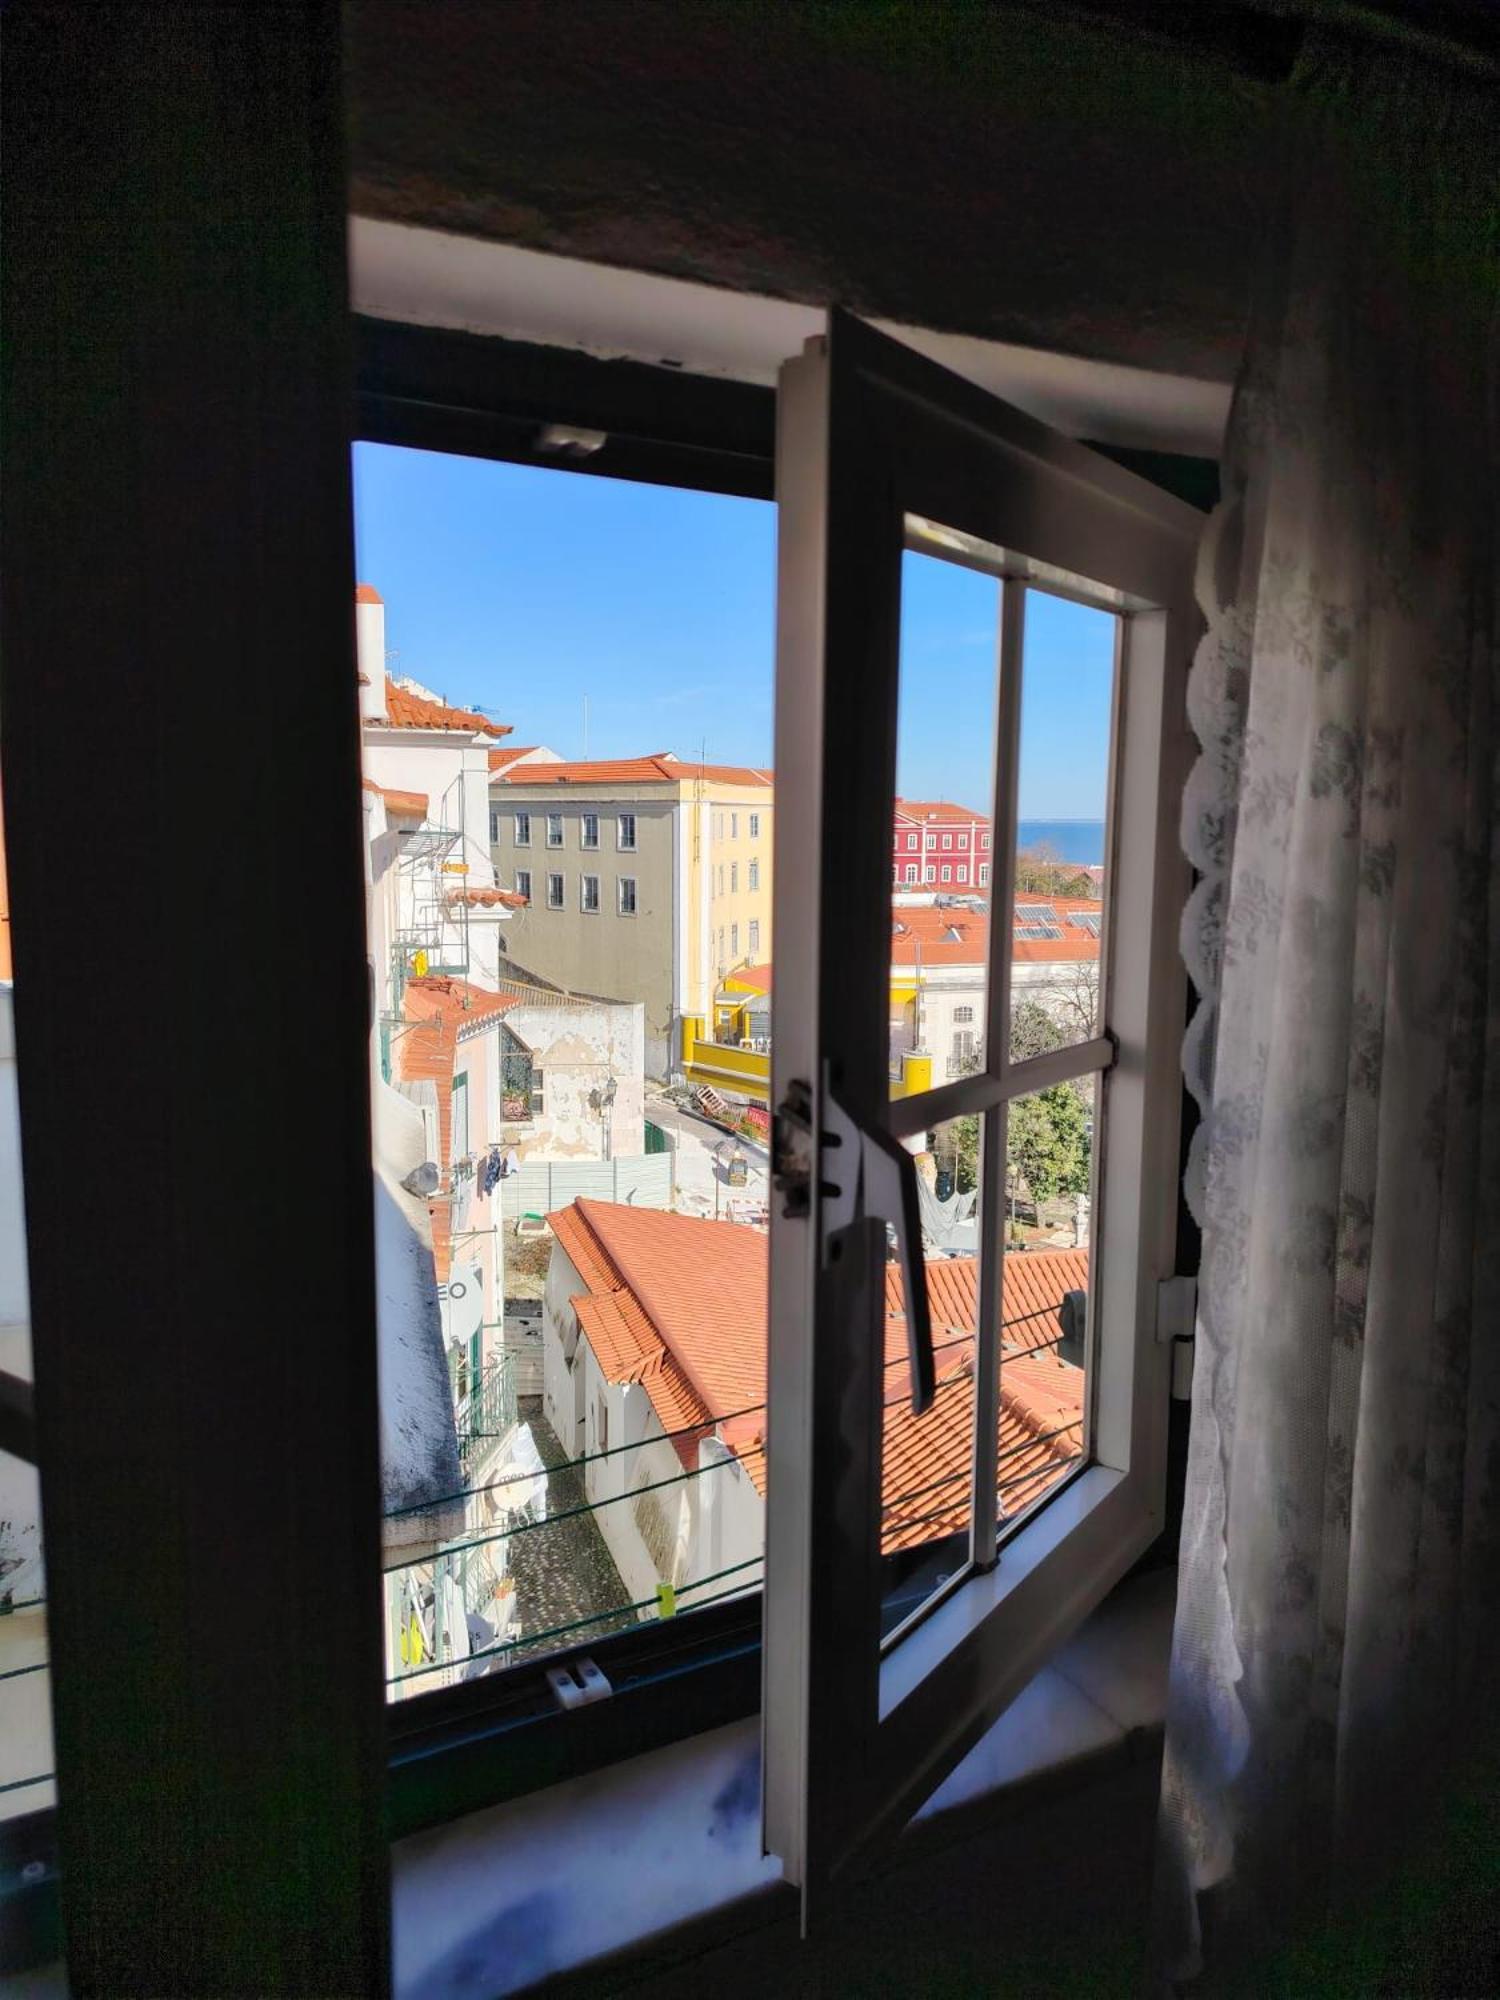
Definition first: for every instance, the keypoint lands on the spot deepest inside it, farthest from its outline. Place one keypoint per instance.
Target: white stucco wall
(577, 1046)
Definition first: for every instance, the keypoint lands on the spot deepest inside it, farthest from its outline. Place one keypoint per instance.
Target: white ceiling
(430, 278)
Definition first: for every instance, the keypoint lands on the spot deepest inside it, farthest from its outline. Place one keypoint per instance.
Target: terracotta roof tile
(488, 899)
(919, 811)
(406, 709)
(679, 1306)
(657, 769)
(366, 593)
(407, 804)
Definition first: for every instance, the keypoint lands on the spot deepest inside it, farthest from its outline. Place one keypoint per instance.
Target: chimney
(369, 635)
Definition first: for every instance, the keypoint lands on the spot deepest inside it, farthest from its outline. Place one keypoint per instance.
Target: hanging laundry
(491, 1172)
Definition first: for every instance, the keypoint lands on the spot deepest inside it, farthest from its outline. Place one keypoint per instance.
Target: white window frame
(947, 872)
(947, 842)
(625, 840)
(754, 877)
(734, 878)
(622, 884)
(911, 871)
(755, 826)
(984, 874)
(734, 826)
(560, 900)
(588, 885)
(523, 829)
(929, 873)
(734, 941)
(872, 441)
(753, 941)
(494, 826)
(523, 883)
(557, 837)
(585, 821)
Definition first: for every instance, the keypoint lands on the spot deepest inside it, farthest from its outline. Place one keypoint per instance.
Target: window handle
(868, 1175)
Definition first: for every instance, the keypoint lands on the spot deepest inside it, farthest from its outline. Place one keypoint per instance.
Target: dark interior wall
(978, 168)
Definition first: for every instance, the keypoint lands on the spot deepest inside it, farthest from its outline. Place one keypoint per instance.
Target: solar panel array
(1036, 923)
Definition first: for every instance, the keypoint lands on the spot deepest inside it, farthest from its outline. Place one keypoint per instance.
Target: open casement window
(954, 1485)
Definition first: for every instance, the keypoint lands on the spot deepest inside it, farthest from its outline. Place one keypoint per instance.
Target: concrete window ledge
(604, 1867)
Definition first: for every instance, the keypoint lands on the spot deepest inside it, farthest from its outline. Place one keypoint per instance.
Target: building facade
(644, 879)
(939, 845)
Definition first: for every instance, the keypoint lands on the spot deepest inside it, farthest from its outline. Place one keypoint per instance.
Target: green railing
(490, 1413)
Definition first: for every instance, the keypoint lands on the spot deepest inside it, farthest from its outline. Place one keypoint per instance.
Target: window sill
(523, 1892)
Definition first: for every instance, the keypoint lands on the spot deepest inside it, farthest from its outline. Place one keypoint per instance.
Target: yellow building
(646, 878)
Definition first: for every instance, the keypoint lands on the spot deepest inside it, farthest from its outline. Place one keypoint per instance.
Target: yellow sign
(666, 1600)
(419, 964)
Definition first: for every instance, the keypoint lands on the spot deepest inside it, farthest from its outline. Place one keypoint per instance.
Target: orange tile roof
(756, 976)
(679, 1306)
(366, 593)
(413, 804)
(443, 1010)
(511, 754)
(406, 709)
(919, 811)
(954, 935)
(488, 899)
(657, 769)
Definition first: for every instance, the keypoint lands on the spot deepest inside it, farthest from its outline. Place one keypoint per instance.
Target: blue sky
(523, 591)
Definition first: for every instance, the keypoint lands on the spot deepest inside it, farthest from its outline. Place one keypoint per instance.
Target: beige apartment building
(646, 878)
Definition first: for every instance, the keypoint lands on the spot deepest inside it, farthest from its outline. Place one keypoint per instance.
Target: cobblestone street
(563, 1571)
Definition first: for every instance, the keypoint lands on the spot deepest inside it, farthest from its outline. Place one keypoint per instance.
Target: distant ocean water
(1080, 841)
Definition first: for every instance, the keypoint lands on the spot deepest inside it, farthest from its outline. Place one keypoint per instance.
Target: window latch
(869, 1176)
(578, 1683)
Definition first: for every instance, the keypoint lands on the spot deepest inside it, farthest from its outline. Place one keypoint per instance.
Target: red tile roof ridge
(405, 708)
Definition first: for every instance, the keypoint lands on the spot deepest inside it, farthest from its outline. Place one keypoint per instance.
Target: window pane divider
(980, 1093)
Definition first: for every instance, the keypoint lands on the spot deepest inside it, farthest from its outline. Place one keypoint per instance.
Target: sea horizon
(1080, 841)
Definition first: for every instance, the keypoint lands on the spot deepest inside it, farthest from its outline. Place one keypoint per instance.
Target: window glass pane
(25, 1682)
(1067, 702)
(1046, 1284)
(927, 1471)
(945, 766)
(572, 1240)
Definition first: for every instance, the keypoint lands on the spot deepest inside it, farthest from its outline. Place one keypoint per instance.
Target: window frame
(874, 440)
(560, 900)
(588, 846)
(559, 821)
(622, 845)
(585, 883)
(519, 877)
(622, 882)
(456, 1750)
(523, 827)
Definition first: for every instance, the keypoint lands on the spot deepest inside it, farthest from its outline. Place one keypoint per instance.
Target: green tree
(1032, 1031)
(1047, 1143)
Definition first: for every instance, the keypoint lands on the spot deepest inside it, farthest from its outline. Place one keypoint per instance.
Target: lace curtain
(1341, 1546)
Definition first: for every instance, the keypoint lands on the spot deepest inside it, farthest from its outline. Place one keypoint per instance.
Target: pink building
(939, 845)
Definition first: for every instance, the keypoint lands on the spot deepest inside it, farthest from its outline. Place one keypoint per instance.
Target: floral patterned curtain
(1340, 1565)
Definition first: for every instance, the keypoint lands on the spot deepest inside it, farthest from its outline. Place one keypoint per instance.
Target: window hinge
(1176, 1322)
(578, 1683)
(1176, 1308)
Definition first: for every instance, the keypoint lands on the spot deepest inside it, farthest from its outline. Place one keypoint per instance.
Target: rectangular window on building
(734, 940)
(601, 1425)
(911, 871)
(984, 841)
(754, 938)
(494, 827)
(523, 883)
(755, 826)
(625, 833)
(734, 826)
(947, 873)
(754, 874)
(523, 829)
(459, 1146)
(734, 878)
(554, 892)
(588, 895)
(984, 874)
(627, 895)
(961, 874)
(947, 840)
(554, 829)
(931, 842)
(588, 830)
(721, 945)
(719, 880)
(929, 873)
(963, 1014)
(911, 841)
